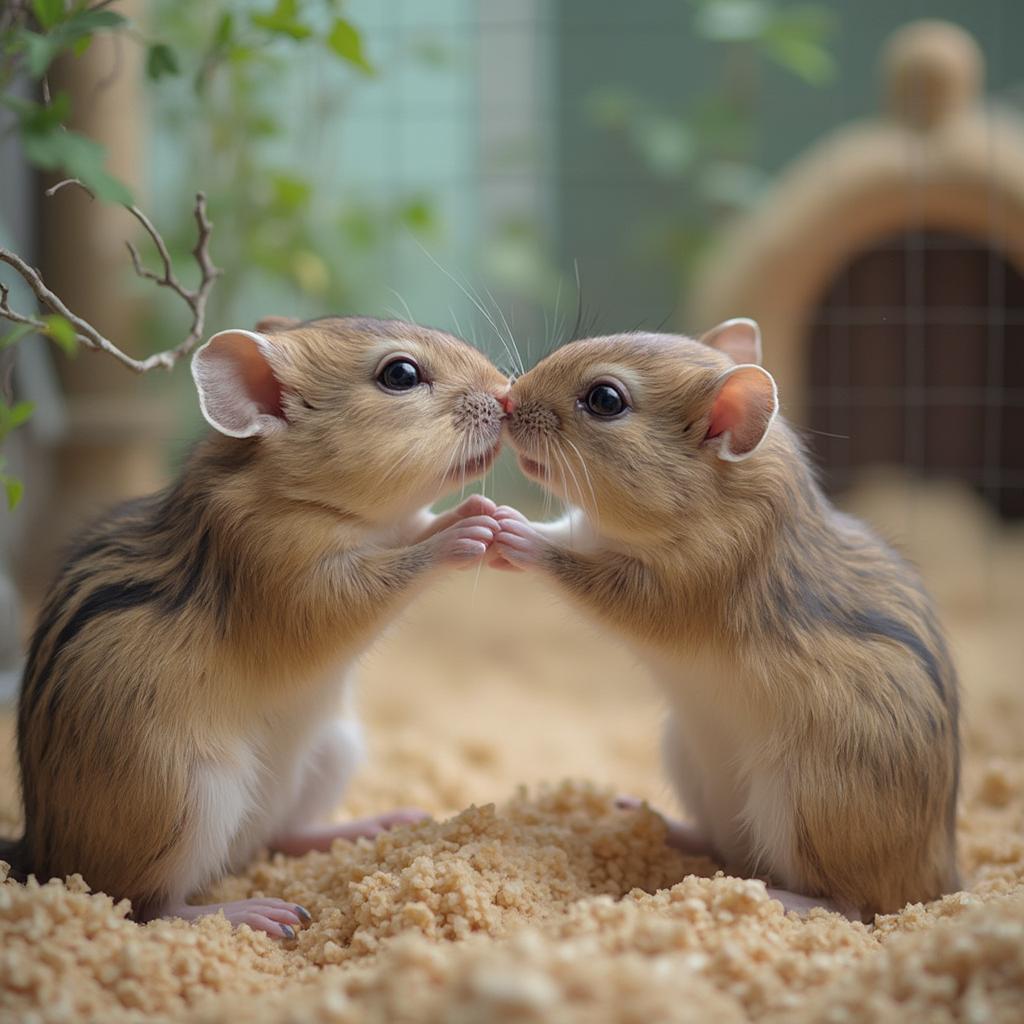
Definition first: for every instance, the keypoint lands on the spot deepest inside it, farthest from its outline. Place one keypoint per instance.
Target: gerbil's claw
(263, 913)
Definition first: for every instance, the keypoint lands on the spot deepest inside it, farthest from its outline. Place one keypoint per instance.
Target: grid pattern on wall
(917, 360)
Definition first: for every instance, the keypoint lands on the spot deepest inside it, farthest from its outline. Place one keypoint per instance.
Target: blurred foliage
(228, 61)
(707, 145)
(285, 225)
(32, 36)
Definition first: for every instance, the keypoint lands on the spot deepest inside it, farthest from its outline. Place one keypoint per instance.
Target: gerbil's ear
(740, 339)
(238, 392)
(269, 324)
(746, 401)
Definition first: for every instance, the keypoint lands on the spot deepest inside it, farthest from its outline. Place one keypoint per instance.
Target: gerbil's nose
(507, 402)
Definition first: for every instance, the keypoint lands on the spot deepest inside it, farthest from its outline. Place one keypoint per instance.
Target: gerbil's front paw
(467, 541)
(474, 505)
(519, 544)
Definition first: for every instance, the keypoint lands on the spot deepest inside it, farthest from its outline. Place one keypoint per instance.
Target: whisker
(472, 298)
(556, 327)
(508, 328)
(579, 494)
(405, 305)
(579, 300)
(548, 497)
(592, 510)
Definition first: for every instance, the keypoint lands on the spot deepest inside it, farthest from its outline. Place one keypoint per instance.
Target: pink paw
(494, 559)
(476, 505)
(518, 543)
(277, 918)
(467, 541)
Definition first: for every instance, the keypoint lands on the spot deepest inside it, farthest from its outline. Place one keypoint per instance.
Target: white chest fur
(720, 757)
(246, 791)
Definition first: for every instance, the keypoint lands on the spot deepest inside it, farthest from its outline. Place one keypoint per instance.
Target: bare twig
(88, 335)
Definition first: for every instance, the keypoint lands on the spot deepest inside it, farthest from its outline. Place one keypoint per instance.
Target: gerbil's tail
(13, 851)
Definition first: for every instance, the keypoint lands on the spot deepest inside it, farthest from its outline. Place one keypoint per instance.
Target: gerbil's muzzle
(480, 415)
(530, 422)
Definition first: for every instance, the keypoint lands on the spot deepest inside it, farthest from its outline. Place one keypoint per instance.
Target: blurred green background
(562, 166)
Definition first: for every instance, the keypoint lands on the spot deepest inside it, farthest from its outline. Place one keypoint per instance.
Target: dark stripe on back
(874, 623)
(194, 573)
(805, 604)
(105, 600)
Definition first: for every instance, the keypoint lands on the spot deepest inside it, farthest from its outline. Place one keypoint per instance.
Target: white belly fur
(718, 759)
(249, 793)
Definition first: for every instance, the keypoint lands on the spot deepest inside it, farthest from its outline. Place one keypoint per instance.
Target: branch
(89, 336)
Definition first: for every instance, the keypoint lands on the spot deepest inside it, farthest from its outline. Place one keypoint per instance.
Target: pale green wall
(648, 47)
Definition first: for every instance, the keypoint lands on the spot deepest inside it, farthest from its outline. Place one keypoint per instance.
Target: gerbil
(180, 703)
(813, 727)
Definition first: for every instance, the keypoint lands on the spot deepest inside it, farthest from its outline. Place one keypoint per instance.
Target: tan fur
(808, 678)
(189, 624)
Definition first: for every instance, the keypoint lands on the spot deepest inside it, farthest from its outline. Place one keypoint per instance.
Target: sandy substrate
(551, 904)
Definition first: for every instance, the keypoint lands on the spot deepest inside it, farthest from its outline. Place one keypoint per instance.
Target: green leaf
(224, 31)
(283, 20)
(802, 57)
(37, 118)
(161, 60)
(20, 413)
(418, 215)
(12, 337)
(290, 193)
(344, 39)
(40, 50)
(15, 489)
(59, 330)
(85, 21)
(78, 157)
(48, 12)
(796, 39)
(13, 416)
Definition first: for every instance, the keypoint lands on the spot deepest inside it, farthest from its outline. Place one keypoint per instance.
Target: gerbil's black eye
(605, 400)
(400, 375)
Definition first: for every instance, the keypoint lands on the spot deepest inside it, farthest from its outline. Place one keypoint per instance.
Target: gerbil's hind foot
(278, 919)
(687, 839)
(298, 843)
(793, 902)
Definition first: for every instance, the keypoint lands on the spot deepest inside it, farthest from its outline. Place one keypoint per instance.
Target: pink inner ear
(726, 413)
(743, 409)
(261, 386)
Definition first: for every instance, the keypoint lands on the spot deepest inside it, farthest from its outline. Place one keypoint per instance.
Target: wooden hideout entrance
(886, 268)
(916, 359)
